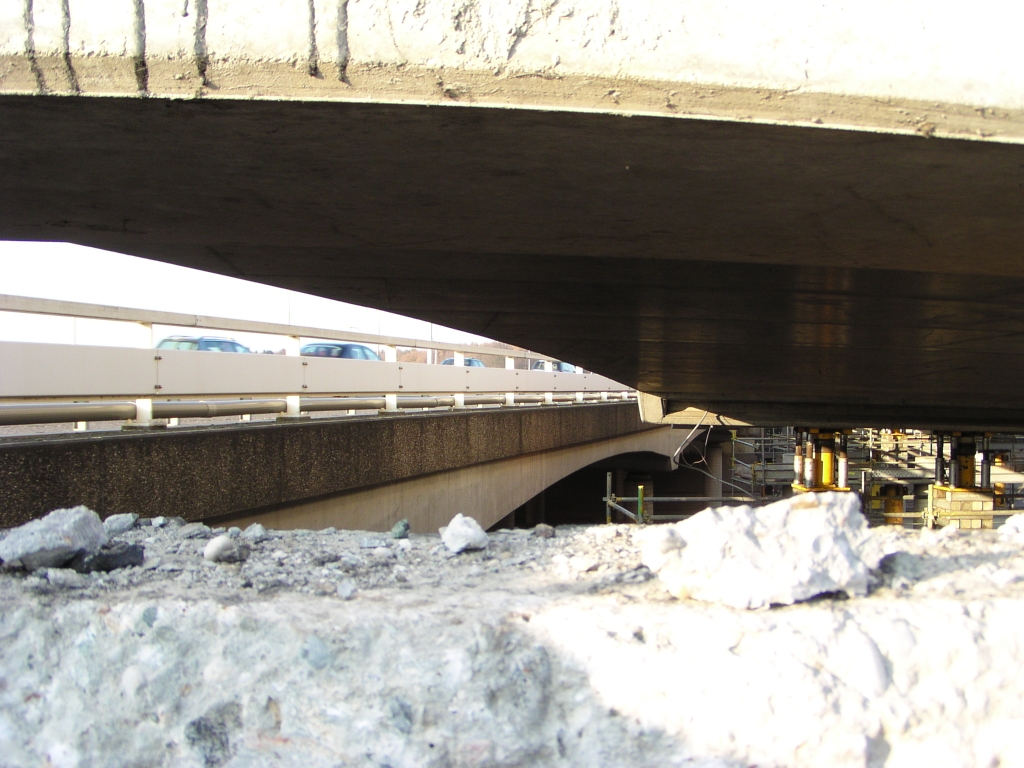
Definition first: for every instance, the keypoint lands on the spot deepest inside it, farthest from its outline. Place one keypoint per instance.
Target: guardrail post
(510, 398)
(292, 346)
(460, 359)
(390, 402)
(549, 398)
(604, 397)
(579, 397)
(510, 363)
(143, 416)
(608, 500)
(390, 354)
(81, 426)
(548, 366)
(640, 517)
(292, 409)
(460, 399)
(143, 412)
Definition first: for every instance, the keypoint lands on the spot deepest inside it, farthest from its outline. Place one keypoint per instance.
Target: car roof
(335, 344)
(201, 338)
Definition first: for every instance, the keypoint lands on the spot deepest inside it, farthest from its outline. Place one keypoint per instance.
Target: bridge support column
(713, 484)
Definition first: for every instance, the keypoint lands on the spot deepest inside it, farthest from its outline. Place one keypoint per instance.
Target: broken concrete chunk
(463, 533)
(65, 578)
(195, 531)
(118, 524)
(255, 533)
(1012, 529)
(400, 530)
(782, 553)
(110, 557)
(53, 540)
(224, 549)
(544, 531)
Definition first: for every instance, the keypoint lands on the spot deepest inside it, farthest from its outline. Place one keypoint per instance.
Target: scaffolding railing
(642, 517)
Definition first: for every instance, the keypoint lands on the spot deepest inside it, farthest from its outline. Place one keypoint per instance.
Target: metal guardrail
(150, 317)
(172, 384)
(55, 413)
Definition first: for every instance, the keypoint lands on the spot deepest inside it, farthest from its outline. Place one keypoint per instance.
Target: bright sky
(76, 273)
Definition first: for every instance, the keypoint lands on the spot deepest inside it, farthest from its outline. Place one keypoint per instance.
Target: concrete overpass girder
(761, 228)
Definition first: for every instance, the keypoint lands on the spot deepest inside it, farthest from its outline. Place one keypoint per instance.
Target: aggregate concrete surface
(346, 648)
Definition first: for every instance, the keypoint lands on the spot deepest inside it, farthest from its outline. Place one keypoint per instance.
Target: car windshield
(346, 351)
(221, 345)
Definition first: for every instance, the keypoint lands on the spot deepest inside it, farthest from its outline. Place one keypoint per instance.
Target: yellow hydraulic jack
(820, 462)
(962, 496)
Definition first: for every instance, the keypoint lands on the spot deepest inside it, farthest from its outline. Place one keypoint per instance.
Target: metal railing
(151, 317)
(640, 514)
(143, 386)
(144, 412)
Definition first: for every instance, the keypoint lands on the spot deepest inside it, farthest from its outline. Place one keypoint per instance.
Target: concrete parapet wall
(212, 472)
(869, 64)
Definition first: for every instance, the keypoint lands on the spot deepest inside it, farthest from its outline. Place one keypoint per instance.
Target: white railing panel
(67, 371)
(324, 375)
(184, 373)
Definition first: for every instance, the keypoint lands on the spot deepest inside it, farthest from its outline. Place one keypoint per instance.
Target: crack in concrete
(313, 61)
(139, 54)
(65, 46)
(342, 41)
(202, 56)
(521, 31)
(28, 17)
(880, 210)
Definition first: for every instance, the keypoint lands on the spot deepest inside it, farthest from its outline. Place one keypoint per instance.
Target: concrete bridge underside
(842, 250)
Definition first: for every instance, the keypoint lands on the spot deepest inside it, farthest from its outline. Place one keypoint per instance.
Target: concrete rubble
(117, 524)
(561, 651)
(53, 540)
(779, 554)
(462, 534)
(225, 549)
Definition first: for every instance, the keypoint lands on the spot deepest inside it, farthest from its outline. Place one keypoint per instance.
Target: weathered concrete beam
(487, 492)
(213, 472)
(920, 67)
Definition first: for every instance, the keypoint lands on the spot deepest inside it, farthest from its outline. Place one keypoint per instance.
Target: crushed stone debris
(318, 650)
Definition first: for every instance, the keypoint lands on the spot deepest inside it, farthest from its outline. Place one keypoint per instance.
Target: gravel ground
(342, 563)
(342, 648)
